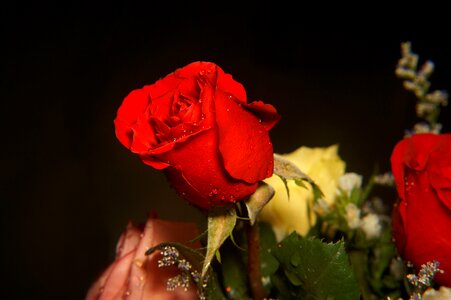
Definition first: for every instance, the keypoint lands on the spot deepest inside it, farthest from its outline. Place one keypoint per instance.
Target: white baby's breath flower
(384, 179)
(352, 216)
(371, 226)
(348, 182)
(440, 294)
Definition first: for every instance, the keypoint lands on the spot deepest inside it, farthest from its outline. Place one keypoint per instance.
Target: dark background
(69, 187)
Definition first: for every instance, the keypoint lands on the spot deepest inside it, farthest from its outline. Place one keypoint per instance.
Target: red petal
(199, 175)
(154, 162)
(133, 106)
(397, 165)
(398, 227)
(194, 69)
(265, 112)
(419, 149)
(427, 226)
(439, 169)
(244, 142)
(228, 85)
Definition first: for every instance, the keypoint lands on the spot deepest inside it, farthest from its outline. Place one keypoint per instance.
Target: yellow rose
(285, 215)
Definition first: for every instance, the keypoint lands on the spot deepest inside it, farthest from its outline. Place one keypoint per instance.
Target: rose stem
(253, 249)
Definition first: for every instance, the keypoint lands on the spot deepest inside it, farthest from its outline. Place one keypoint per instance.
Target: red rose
(421, 166)
(196, 124)
(133, 275)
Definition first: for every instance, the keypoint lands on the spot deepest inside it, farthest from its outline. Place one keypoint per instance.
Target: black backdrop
(69, 187)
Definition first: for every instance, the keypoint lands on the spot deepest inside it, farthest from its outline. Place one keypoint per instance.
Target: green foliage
(287, 170)
(233, 272)
(221, 222)
(314, 269)
(257, 201)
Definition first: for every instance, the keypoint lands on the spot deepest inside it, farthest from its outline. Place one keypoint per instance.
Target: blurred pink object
(133, 275)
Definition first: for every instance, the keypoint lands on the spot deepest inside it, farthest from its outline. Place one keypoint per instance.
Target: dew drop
(202, 72)
(214, 191)
(295, 259)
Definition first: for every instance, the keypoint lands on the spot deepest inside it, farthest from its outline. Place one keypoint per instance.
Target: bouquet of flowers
(280, 226)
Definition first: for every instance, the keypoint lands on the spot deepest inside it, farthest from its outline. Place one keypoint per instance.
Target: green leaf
(287, 170)
(257, 201)
(269, 264)
(234, 272)
(317, 270)
(221, 221)
(213, 290)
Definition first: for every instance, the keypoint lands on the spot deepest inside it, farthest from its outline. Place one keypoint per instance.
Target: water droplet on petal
(214, 191)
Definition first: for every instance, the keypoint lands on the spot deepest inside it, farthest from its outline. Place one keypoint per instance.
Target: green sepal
(258, 200)
(221, 222)
(287, 170)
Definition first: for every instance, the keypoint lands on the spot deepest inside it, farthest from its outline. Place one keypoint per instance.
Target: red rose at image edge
(197, 125)
(133, 275)
(421, 165)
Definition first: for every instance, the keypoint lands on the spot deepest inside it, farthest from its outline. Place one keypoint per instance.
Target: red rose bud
(196, 124)
(421, 166)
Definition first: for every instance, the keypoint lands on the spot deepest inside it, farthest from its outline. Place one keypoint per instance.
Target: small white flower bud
(349, 181)
(352, 216)
(371, 226)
